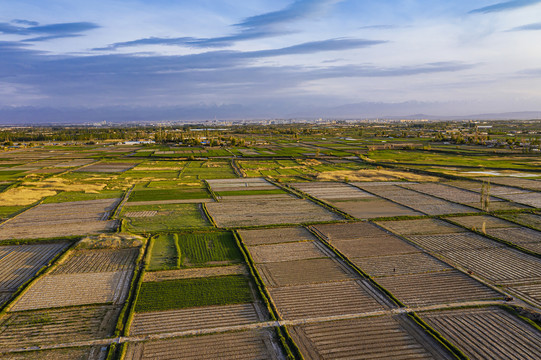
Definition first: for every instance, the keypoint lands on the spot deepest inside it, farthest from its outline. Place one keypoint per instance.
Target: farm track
(92, 261)
(75, 289)
(528, 291)
(437, 288)
(487, 333)
(18, 263)
(207, 317)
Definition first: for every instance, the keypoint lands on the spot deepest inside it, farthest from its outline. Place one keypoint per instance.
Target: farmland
(314, 244)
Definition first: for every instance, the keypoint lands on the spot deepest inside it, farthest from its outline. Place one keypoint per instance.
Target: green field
(168, 194)
(172, 251)
(185, 293)
(170, 217)
(67, 196)
(199, 170)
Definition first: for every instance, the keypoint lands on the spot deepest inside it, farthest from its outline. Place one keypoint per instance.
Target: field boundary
(211, 192)
(292, 350)
(118, 208)
(205, 213)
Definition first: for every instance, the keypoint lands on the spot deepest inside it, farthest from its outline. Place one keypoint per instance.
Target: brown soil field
(499, 265)
(421, 227)
(476, 222)
(417, 263)
(160, 202)
(195, 273)
(138, 214)
(18, 263)
(332, 190)
(495, 190)
(487, 333)
(75, 289)
(240, 184)
(248, 345)
(262, 212)
(499, 205)
(320, 300)
(373, 208)
(517, 235)
(454, 242)
(253, 198)
(530, 199)
(382, 337)
(421, 202)
(437, 288)
(95, 353)
(32, 328)
(513, 181)
(207, 317)
(288, 252)
(351, 231)
(103, 167)
(275, 236)
(374, 246)
(303, 272)
(61, 219)
(448, 192)
(530, 291)
(86, 261)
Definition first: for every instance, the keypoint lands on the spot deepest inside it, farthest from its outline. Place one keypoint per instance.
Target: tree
(485, 195)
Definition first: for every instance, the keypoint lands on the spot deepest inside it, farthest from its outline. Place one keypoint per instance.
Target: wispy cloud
(256, 27)
(505, 6)
(46, 32)
(528, 27)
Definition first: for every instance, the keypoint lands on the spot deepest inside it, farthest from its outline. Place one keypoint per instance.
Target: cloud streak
(528, 27)
(256, 27)
(46, 32)
(505, 6)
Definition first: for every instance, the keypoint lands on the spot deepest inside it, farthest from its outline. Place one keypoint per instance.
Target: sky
(262, 58)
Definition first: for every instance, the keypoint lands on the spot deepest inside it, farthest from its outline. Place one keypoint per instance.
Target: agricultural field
(60, 220)
(328, 241)
(245, 345)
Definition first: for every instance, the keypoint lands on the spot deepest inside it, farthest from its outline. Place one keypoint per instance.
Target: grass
(164, 254)
(68, 196)
(168, 194)
(186, 293)
(6, 211)
(170, 217)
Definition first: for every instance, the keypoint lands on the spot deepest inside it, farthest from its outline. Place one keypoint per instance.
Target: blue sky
(273, 58)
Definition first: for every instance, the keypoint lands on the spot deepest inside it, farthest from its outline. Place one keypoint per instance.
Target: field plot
(196, 273)
(243, 184)
(477, 222)
(104, 167)
(499, 265)
(18, 263)
(420, 202)
(31, 328)
(326, 299)
(382, 337)
(437, 288)
(155, 195)
(402, 264)
(421, 227)
(73, 163)
(62, 219)
(137, 214)
(513, 181)
(287, 252)
(532, 220)
(303, 272)
(526, 238)
(86, 261)
(487, 333)
(449, 193)
(196, 170)
(454, 242)
(169, 217)
(75, 289)
(495, 190)
(186, 293)
(371, 208)
(248, 345)
(363, 240)
(264, 212)
(96, 353)
(529, 291)
(207, 317)
(332, 190)
(275, 236)
(532, 199)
